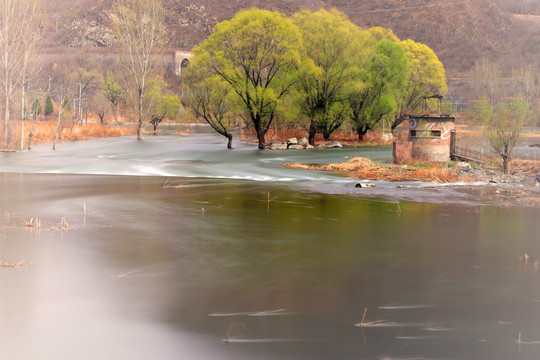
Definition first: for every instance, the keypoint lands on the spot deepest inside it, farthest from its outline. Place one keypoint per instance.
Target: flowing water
(191, 251)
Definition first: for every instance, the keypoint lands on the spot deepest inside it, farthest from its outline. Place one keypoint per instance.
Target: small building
(430, 138)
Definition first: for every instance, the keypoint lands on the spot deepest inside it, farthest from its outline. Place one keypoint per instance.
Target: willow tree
(161, 102)
(19, 35)
(140, 35)
(426, 78)
(334, 47)
(208, 96)
(503, 127)
(257, 53)
(113, 92)
(384, 76)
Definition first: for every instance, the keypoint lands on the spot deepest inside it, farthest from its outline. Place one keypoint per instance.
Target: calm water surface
(237, 257)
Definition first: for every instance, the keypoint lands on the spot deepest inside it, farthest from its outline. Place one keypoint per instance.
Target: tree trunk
(260, 134)
(140, 115)
(23, 114)
(505, 163)
(261, 140)
(6, 122)
(311, 134)
(326, 135)
(155, 124)
(229, 143)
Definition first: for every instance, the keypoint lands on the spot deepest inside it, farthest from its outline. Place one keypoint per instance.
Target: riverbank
(486, 183)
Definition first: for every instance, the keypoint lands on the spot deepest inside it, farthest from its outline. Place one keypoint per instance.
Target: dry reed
(20, 264)
(43, 132)
(348, 138)
(362, 168)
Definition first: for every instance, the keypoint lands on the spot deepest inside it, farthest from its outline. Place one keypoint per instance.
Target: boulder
(365, 185)
(335, 145)
(463, 167)
(292, 141)
(278, 145)
(296, 147)
(309, 147)
(303, 141)
(321, 146)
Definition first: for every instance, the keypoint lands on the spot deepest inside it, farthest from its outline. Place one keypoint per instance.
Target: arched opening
(184, 63)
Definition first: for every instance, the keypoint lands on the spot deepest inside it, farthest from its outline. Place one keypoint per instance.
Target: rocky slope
(460, 31)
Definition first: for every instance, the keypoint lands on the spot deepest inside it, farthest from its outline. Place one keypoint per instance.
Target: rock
(303, 141)
(463, 167)
(292, 141)
(365, 185)
(335, 145)
(309, 147)
(278, 145)
(537, 184)
(296, 147)
(321, 146)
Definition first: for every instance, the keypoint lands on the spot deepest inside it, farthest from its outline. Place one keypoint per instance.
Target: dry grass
(20, 264)
(348, 138)
(527, 167)
(44, 132)
(362, 168)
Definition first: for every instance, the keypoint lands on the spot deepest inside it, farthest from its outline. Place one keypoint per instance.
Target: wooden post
(452, 145)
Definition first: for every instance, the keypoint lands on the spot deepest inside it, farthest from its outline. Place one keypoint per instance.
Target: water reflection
(278, 271)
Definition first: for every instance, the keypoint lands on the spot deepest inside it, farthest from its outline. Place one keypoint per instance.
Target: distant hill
(460, 31)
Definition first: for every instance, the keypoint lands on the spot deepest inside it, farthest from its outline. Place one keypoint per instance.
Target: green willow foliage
(318, 65)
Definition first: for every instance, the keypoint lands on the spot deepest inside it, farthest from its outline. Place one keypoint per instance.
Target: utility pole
(80, 102)
(49, 88)
(57, 16)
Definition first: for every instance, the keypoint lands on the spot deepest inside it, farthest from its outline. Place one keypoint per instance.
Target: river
(177, 248)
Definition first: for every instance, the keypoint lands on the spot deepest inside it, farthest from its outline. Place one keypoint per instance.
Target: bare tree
(526, 81)
(502, 109)
(100, 106)
(63, 114)
(113, 93)
(139, 27)
(504, 128)
(19, 34)
(31, 65)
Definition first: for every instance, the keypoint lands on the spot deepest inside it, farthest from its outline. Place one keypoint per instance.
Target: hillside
(460, 31)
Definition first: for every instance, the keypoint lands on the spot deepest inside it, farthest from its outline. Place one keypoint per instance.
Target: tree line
(314, 69)
(81, 86)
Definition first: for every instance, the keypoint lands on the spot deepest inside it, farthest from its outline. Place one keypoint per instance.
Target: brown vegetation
(20, 264)
(525, 167)
(44, 132)
(362, 168)
(460, 32)
(348, 138)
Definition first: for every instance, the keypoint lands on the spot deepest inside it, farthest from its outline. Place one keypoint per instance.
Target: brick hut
(430, 138)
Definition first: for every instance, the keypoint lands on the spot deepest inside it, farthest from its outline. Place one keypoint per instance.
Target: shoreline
(494, 187)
